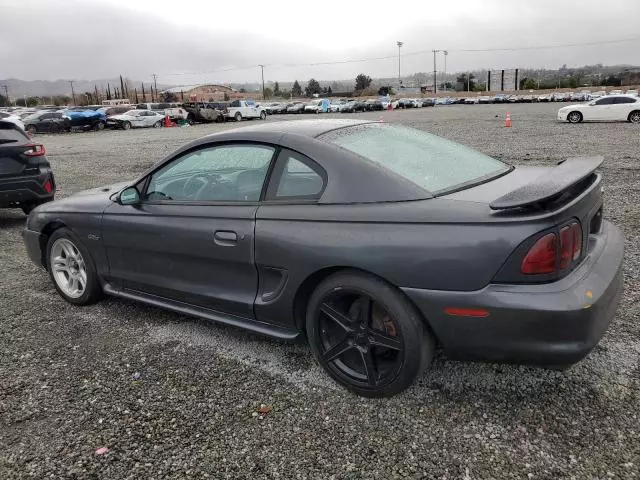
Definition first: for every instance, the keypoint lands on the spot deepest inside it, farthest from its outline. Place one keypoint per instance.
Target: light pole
(444, 82)
(435, 85)
(73, 93)
(155, 84)
(399, 46)
(262, 69)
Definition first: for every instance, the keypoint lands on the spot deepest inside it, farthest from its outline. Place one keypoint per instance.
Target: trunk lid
(548, 197)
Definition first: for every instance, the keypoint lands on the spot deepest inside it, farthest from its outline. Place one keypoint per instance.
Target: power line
(419, 52)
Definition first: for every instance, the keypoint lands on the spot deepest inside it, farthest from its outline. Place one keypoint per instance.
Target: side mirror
(129, 196)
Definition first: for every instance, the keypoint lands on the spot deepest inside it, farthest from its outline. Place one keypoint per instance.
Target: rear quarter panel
(408, 244)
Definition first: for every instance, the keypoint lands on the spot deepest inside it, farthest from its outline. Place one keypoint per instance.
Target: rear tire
(31, 129)
(353, 352)
(68, 258)
(238, 117)
(574, 117)
(634, 117)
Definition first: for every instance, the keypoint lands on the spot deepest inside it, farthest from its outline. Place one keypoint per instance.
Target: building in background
(208, 93)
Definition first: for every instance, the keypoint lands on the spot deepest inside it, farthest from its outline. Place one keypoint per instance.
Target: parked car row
(323, 105)
(582, 96)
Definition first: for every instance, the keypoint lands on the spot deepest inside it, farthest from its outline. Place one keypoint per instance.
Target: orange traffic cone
(167, 121)
(507, 121)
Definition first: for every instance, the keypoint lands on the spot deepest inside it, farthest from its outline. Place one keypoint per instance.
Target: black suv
(26, 179)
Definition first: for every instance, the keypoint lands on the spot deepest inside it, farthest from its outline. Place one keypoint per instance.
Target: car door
(147, 118)
(295, 185)
(600, 110)
(45, 122)
(623, 107)
(191, 236)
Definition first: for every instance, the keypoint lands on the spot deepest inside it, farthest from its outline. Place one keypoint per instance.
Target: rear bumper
(15, 191)
(553, 324)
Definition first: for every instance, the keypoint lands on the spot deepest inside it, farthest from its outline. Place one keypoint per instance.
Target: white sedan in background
(16, 120)
(611, 108)
(136, 119)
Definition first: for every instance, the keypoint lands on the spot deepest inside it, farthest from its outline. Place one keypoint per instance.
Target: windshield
(429, 161)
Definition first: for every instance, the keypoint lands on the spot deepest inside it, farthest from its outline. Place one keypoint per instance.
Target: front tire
(31, 129)
(158, 124)
(574, 117)
(263, 115)
(71, 269)
(126, 125)
(366, 335)
(634, 117)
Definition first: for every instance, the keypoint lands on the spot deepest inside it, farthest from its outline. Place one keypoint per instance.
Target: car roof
(307, 128)
(351, 178)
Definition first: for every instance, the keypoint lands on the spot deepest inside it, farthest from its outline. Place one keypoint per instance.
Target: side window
(625, 100)
(300, 177)
(235, 103)
(233, 173)
(605, 101)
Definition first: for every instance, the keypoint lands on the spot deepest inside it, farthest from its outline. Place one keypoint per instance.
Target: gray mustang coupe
(375, 241)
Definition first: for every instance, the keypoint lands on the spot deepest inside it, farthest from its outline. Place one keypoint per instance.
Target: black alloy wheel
(367, 335)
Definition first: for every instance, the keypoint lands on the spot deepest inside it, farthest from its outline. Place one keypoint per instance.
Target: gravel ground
(174, 397)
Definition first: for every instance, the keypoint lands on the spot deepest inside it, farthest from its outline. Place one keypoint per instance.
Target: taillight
(35, 151)
(566, 246)
(570, 244)
(577, 240)
(47, 185)
(541, 258)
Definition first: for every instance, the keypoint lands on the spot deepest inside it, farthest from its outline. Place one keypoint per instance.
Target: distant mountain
(45, 88)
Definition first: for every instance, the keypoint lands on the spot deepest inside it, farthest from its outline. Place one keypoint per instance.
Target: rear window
(429, 161)
(10, 133)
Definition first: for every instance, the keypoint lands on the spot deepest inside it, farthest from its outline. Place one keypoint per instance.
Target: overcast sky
(92, 39)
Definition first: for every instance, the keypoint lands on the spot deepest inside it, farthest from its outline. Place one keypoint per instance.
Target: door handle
(225, 238)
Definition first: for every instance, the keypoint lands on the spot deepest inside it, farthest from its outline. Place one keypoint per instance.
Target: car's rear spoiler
(548, 185)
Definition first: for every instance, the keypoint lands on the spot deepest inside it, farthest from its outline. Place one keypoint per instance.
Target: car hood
(87, 201)
(575, 105)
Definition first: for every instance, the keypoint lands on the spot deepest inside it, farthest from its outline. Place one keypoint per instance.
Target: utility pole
(73, 93)
(155, 84)
(445, 69)
(435, 85)
(262, 70)
(6, 94)
(399, 46)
